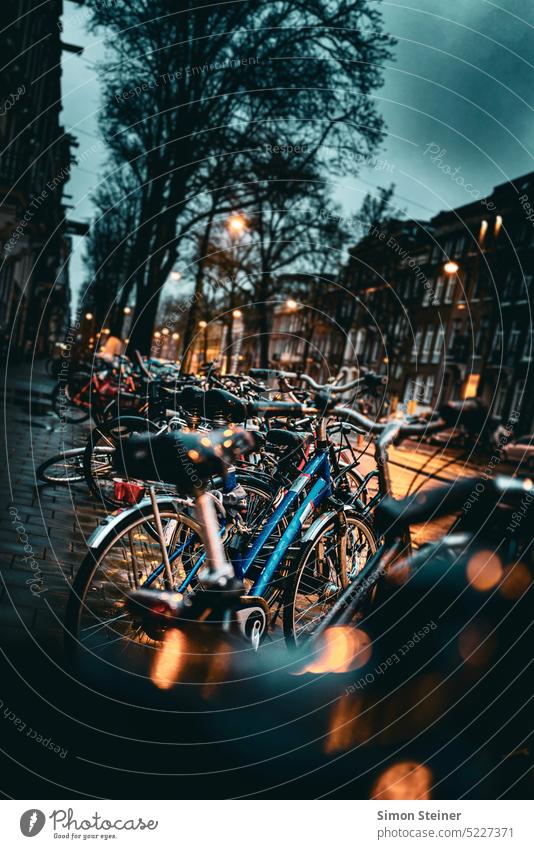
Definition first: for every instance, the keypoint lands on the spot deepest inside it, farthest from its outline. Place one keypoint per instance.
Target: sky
(457, 98)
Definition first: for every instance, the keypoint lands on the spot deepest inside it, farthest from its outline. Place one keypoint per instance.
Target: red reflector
(160, 609)
(127, 492)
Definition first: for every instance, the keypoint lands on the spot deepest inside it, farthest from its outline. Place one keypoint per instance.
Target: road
(416, 466)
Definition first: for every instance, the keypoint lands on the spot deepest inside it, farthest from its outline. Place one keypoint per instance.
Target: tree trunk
(194, 308)
(264, 319)
(116, 322)
(143, 324)
(229, 342)
(264, 327)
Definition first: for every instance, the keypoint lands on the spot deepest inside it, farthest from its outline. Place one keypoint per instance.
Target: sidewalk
(42, 528)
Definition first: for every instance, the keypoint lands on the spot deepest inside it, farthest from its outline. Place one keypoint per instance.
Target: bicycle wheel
(63, 468)
(64, 409)
(96, 617)
(327, 564)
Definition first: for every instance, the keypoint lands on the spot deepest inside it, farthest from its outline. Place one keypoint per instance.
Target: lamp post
(88, 330)
(175, 339)
(203, 325)
(236, 226)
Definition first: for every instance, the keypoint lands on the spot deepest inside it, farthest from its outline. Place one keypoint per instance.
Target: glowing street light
(236, 224)
(175, 336)
(165, 331)
(237, 314)
(127, 310)
(157, 335)
(176, 276)
(202, 324)
(451, 267)
(89, 316)
(291, 304)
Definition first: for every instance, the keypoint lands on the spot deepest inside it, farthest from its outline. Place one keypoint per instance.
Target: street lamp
(451, 267)
(89, 316)
(176, 276)
(127, 310)
(237, 313)
(291, 304)
(237, 224)
(202, 324)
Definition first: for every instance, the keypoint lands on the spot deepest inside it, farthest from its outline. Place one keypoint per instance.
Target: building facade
(34, 168)
(444, 307)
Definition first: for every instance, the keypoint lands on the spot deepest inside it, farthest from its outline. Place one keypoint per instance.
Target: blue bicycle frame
(315, 474)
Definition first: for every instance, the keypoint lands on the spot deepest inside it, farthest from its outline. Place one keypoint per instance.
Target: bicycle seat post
(219, 570)
(163, 543)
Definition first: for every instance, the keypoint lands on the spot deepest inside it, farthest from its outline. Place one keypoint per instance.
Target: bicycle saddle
(190, 399)
(185, 460)
(287, 438)
(220, 402)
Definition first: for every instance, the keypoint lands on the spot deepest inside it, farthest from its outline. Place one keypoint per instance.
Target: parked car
(520, 451)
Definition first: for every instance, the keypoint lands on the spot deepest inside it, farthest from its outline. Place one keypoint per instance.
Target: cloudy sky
(461, 82)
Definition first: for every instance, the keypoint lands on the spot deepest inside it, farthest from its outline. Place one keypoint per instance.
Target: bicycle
(260, 554)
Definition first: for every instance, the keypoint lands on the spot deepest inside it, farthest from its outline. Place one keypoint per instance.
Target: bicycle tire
(46, 474)
(296, 578)
(64, 409)
(94, 559)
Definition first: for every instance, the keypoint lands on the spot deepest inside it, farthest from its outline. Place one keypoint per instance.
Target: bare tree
(188, 86)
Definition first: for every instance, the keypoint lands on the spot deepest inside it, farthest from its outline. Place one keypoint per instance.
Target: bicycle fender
(317, 526)
(110, 524)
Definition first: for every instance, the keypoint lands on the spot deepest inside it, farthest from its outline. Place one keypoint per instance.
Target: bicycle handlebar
(369, 378)
(390, 432)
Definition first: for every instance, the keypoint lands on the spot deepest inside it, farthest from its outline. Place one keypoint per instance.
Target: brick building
(443, 307)
(34, 168)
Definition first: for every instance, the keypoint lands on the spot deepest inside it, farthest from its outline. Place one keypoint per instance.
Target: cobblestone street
(43, 528)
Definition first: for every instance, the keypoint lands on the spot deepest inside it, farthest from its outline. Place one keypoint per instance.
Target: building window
(508, 286)
(500, 398)
(497, 344)
(427, 296)
(471, 386)
(449, 292)
(375, 351)
(429, 389)
(455, 333)
(529, 344)
(416, 345)
(513, 343)
(481, 335)
(427, 344)
(517, 398)
(439, 344)
(440, 285)
(460, 246)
